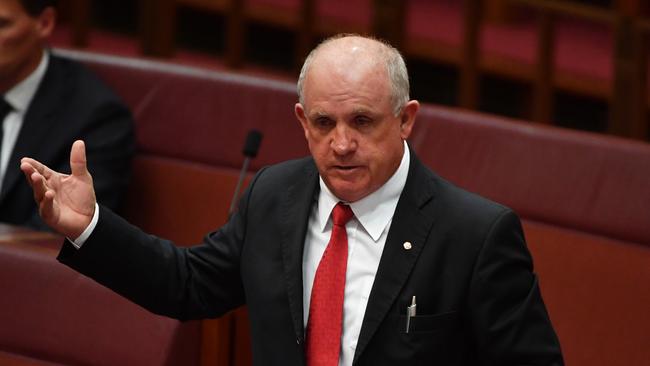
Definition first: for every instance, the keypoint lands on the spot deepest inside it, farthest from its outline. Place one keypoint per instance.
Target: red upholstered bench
(584, 49)
(202, 116)
(585, 202)
(594, 183)
(51, 315)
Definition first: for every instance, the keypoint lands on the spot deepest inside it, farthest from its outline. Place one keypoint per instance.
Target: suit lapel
(412, 222)
(296, 211)
(37, 125)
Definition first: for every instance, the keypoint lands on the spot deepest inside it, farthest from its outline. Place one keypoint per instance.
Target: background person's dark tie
(326, 305)
(5, 108)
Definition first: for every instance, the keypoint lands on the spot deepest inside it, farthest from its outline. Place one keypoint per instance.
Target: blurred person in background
(46, 103)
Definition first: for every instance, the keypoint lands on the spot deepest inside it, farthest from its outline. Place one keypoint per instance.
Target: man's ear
(407, 120)
(47, 22)
(299, 110)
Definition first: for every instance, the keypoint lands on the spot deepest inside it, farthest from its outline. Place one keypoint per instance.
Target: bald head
(356, 55)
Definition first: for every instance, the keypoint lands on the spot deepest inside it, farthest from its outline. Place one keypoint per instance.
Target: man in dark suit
(49, 103)
(357, 255)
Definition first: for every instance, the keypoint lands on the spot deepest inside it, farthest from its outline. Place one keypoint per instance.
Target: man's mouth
(345, 170)
(346, 167)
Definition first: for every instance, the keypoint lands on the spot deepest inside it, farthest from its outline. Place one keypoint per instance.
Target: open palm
(66, 202)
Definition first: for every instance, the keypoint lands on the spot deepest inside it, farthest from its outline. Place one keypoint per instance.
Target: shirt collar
(22, 93)
(374, 211)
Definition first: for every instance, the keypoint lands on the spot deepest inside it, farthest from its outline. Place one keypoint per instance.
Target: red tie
(326, 306)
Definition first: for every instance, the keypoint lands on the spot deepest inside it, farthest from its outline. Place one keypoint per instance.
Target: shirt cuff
(89, 229)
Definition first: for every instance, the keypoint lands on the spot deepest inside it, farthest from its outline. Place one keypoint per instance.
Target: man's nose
(343, 140)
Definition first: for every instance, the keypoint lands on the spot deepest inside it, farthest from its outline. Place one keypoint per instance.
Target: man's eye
(362, 121)
(323, 122)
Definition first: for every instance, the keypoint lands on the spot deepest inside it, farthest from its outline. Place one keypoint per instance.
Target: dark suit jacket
(478, 299)
(70, 103)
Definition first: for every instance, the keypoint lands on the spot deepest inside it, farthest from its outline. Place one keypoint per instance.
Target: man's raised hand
(65, 202)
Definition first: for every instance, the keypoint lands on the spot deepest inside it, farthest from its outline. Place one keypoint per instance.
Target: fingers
(39, 186)
(46, 206)
(29, 165)
(40, 178)
(78, 163)
(43, 195)
(28, 170)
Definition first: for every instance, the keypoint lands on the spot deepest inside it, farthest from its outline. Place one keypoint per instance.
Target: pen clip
(411, 310)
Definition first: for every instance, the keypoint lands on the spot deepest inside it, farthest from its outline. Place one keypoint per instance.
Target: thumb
(78, 159)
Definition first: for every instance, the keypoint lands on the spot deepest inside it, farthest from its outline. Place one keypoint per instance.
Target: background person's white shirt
(19, 97)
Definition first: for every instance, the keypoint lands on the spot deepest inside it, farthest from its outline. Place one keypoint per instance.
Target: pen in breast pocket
(410, 312)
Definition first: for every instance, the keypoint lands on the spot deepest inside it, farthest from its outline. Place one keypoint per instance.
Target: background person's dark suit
(478, 301)
(70, 103)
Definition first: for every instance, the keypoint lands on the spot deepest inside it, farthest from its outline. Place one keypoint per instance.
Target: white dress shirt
(19, 97)
(367, 233)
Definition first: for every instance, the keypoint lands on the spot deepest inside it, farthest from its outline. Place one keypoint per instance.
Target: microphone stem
(242, 175)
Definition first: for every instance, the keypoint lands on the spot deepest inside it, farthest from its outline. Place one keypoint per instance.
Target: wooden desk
(11, 235)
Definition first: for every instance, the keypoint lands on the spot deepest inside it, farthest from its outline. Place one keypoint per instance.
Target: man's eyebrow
(318, 113)
(364, 111)
(361, 111)
(357, 111)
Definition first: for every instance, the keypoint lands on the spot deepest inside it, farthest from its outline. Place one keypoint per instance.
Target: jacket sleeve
(185, 283)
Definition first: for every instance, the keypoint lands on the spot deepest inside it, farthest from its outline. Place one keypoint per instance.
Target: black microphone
(251, 146)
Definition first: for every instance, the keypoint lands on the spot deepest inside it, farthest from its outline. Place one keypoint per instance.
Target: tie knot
(341, 214)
